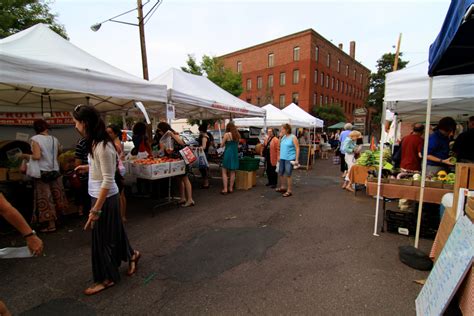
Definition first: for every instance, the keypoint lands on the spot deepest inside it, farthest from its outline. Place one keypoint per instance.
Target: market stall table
(396, 191)
(358, 174)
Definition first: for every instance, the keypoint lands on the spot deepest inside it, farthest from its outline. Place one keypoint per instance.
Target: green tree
(18, 15)
(213, 68)
(117, 120)
(377, 83)
(331, 114)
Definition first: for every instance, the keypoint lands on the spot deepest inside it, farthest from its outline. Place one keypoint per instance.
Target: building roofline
(286, 37)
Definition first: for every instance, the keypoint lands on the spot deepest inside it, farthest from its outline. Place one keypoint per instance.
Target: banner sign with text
(27, 118)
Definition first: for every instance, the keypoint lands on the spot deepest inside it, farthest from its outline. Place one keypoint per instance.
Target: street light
(142, 20)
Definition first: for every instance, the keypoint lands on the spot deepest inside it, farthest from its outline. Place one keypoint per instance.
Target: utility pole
(395, 64)
(141, 28)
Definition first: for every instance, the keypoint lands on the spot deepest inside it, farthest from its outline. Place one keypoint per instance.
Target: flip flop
(137, 256)
(224, 192)
(280, 190)
(287, 194)
(102, 286)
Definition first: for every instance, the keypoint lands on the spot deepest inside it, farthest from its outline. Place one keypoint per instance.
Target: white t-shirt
(49, 146)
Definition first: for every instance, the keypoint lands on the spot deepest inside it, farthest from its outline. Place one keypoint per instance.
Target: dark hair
(116, 129)
(418, 128)
(447, 124)
(287, 127)
(139, 129)
(94, 126)
(471, 118)
(230, 128)
(164, 127)
(40, 126)
(203, 127)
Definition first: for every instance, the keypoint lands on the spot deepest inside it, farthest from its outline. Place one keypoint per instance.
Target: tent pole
(423, 165)
(395, 131)
(379, 176)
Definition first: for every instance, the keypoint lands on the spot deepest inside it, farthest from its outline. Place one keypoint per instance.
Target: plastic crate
(249, 164)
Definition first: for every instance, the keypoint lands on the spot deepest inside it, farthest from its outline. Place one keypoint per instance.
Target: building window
(271, 60)
(326, 100)
(239, 66)
(328, 60)
(354, 74)
(296, 76)
(282, 101)
(337, 85)
(327, 81)
(315, 98)
(270, 81)
(342, 86)
(332, 83)
(315, 76)
(332, 100)
(321, 99)
(322, 79)
(316, 53)
(282, 78)
(259, 83)
(338, 65)
(249, 100)
(295, 97)
(360, 78)
(296, 53)
(249, 84)
(347, 70)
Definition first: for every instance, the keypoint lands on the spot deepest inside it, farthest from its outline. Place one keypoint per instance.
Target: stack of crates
(400, 221)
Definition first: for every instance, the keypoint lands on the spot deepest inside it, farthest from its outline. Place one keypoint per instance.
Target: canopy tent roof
(38, 65)
(453, 50)
(301, 114)
(339, 125)
(275, 118)
(406, 93)
(199, 98)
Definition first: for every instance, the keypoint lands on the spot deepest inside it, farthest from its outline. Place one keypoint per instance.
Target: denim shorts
(285, 168)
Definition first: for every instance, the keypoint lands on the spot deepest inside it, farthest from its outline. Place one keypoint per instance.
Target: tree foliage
(377, 79)
(213, 68)
(18, 15)
(331, 114)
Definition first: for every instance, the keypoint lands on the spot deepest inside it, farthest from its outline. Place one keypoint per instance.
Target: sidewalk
(250, 252)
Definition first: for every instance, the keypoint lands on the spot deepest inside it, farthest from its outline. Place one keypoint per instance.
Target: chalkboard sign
(305, 156)
(449, 270)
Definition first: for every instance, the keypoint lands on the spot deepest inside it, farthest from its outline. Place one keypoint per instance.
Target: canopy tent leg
(124, 121)
(379, 176)
(395, 131)
(425, 159)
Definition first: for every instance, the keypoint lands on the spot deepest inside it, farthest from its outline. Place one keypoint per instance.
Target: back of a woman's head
(203, 127)
(40, 126)
(230, 128)
(164, 127)
(93, 124)
(116, 129)
(139, 129)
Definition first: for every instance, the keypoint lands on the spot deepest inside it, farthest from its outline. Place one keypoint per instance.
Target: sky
(182, 27)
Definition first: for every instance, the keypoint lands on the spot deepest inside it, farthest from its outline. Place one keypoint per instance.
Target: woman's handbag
(202, 159)
(50, 176)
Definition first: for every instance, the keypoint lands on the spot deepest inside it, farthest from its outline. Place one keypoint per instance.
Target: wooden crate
(401, 181)
(245, 180)
(3, 174)
(464, 179)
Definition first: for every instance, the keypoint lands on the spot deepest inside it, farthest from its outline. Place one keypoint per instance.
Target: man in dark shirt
(411, 147)
(464, 144)
(438, 146)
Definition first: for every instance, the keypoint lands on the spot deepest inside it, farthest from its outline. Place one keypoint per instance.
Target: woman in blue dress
(230, 162)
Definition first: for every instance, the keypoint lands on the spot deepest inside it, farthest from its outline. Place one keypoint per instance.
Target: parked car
(189, 139)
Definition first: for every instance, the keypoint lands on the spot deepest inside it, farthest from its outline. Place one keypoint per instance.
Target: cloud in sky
(181, 27)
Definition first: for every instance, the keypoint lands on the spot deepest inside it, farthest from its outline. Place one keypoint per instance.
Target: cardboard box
(469, 212)
(177, 168)
(15, 175)
(444, 230)
(3, 174)
(151, 172)
(245, 180)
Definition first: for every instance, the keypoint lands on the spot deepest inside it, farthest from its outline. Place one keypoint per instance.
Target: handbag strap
(52, 150)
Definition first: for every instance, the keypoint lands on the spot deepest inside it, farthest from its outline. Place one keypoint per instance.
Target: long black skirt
(110, 245)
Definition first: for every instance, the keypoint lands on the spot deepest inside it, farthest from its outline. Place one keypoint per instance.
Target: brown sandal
(98, 287)
(287, 194)
(280, 190)
(136, 257)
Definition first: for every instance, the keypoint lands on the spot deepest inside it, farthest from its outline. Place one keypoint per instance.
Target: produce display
(157, 168)
(152, 161)
(371, 158)
(395, 176)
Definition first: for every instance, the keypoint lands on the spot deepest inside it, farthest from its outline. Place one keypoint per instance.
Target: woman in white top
(49, 190)
(110, 245)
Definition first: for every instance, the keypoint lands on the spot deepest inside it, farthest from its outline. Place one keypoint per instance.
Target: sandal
(181, 202)
(224, 192)
(48, 230)
(136, 257)
(287, 194)
(98, 287)
(280, 190)
(189, 204)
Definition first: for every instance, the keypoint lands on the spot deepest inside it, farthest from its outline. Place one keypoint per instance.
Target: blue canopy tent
(452, 51)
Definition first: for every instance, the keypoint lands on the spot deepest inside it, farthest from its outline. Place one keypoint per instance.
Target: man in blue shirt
(438, 146)
(342, 137)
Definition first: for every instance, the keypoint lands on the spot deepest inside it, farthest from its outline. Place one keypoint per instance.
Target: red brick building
(304, 68)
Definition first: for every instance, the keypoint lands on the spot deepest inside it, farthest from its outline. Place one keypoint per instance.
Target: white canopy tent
(275, 118)
(199, 98)
(406, 94)
(295, 111)
(39, 67)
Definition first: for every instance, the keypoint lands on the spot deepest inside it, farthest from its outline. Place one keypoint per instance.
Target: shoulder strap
(52, 137)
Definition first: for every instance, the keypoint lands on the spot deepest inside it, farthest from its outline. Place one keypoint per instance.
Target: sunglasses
(76, 109)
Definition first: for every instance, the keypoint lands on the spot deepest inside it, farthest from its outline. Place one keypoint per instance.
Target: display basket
(408, 182)
(249, 164)
(434, 184)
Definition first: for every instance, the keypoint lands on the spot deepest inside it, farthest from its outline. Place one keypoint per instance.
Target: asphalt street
(250, 252)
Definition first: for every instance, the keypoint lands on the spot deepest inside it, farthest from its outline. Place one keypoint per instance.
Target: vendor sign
(27, 118)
